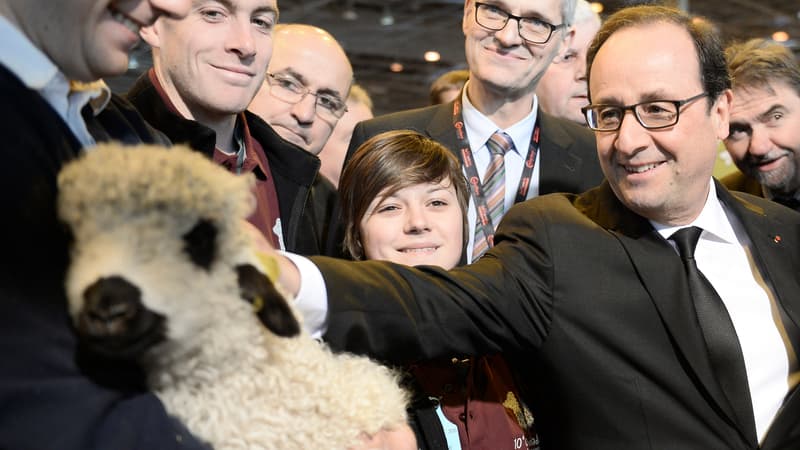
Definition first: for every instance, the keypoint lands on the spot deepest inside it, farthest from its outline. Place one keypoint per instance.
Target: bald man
(562, 89)
(307, 83)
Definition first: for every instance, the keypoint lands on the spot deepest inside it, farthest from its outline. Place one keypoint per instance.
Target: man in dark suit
(657, 310)
(764, 141)
(204, 105)
(506, 60)
(53, 395)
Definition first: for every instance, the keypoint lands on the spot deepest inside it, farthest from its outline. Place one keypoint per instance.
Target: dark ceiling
(376, 33)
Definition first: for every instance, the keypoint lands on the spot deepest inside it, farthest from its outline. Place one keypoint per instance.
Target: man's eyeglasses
(288, 89)
(652, 114)
(531, 29)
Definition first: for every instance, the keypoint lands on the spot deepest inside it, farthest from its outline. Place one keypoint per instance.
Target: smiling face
(765, 137)
(313, 59)
(419, 224)
(562, 90)
(212, 62)
(501, 61)
(663, 175)
(88, 39)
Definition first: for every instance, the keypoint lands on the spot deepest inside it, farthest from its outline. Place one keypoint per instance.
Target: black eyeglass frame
(519, 19)
(272, 77)
(632, 108)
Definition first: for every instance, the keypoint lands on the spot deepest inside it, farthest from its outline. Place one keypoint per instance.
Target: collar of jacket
(284, 158)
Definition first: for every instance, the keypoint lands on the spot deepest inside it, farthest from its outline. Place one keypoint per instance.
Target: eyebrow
(299, 77)
(230, 6)
(646, 97)
(765, 115)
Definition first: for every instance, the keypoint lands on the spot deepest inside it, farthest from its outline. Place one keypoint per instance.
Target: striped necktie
(494, 188)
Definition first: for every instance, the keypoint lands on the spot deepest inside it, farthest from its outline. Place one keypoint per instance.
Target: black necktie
(722, 344)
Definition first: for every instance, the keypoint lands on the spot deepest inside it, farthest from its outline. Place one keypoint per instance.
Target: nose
(305, 110)
(240, 38)
(631, 136)
(760, 143)
(111, 306)
(416, 220)
(509, 35)
(175, 9)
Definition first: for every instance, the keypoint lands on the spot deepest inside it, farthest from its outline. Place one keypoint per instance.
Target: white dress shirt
(724, 256)
(39, 74)
(479, 129)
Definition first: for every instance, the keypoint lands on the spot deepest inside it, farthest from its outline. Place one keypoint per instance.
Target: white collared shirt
(724, 256)
(38, 73)
(479, 129)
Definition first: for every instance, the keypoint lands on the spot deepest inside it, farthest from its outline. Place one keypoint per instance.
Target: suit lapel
(558, 161)
(440, 128)
(661, 272)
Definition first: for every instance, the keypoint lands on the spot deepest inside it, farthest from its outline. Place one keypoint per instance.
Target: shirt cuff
(312, 297)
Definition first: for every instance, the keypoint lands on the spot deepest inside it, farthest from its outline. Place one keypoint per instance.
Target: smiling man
(206, 69)
(308, 79)
(764, 138)
(657, 310)
(53, 394)
(508, 45)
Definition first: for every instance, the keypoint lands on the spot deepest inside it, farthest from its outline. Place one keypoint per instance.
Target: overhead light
(432, 56)
(780, 36)
(350, 14)
(396, 67)
(387, 19)
(597, 7)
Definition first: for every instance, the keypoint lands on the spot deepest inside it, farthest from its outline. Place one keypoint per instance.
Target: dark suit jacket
(595, 302)
(568, 154)
(307, 202)
(53, 395)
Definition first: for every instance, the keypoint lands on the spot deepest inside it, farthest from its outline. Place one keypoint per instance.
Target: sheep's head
(159, 249)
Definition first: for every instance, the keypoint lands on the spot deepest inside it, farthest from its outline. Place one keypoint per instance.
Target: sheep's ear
(268, 304)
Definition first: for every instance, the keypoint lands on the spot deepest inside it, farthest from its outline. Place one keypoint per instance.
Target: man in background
(206, 70)
(657, 310)
(308, 80)
(447, 86)
(359, 108)
(562, 90)
(54, 394)
(764, 139)
(510, 150)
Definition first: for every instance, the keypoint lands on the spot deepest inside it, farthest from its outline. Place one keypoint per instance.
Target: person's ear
(469, 14)
(720, 114)
(150, 35)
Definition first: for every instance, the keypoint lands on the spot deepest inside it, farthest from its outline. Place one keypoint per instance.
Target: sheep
(164, 272)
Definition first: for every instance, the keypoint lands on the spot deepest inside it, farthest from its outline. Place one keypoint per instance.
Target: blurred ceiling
(377, 33)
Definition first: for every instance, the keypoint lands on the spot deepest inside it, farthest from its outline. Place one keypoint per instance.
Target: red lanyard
(476, 188)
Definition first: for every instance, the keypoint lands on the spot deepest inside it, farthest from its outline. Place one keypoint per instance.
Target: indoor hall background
(379, 33)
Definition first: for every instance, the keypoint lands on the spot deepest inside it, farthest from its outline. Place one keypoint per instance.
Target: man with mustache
(764, 139)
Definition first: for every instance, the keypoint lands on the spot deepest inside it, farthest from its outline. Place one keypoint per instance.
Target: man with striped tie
(510, 150)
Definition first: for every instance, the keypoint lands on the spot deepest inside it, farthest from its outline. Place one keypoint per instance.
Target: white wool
(230, 380)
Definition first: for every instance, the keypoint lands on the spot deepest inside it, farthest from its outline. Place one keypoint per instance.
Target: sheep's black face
(200, 243)
(113, 321)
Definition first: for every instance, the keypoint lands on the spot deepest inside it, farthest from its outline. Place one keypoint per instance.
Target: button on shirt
(479, 129)
(39, 74)
(723, 255)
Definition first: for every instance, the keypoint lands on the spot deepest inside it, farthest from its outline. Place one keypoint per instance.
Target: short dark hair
(391, 161)
(759, 62)
(713, 69)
